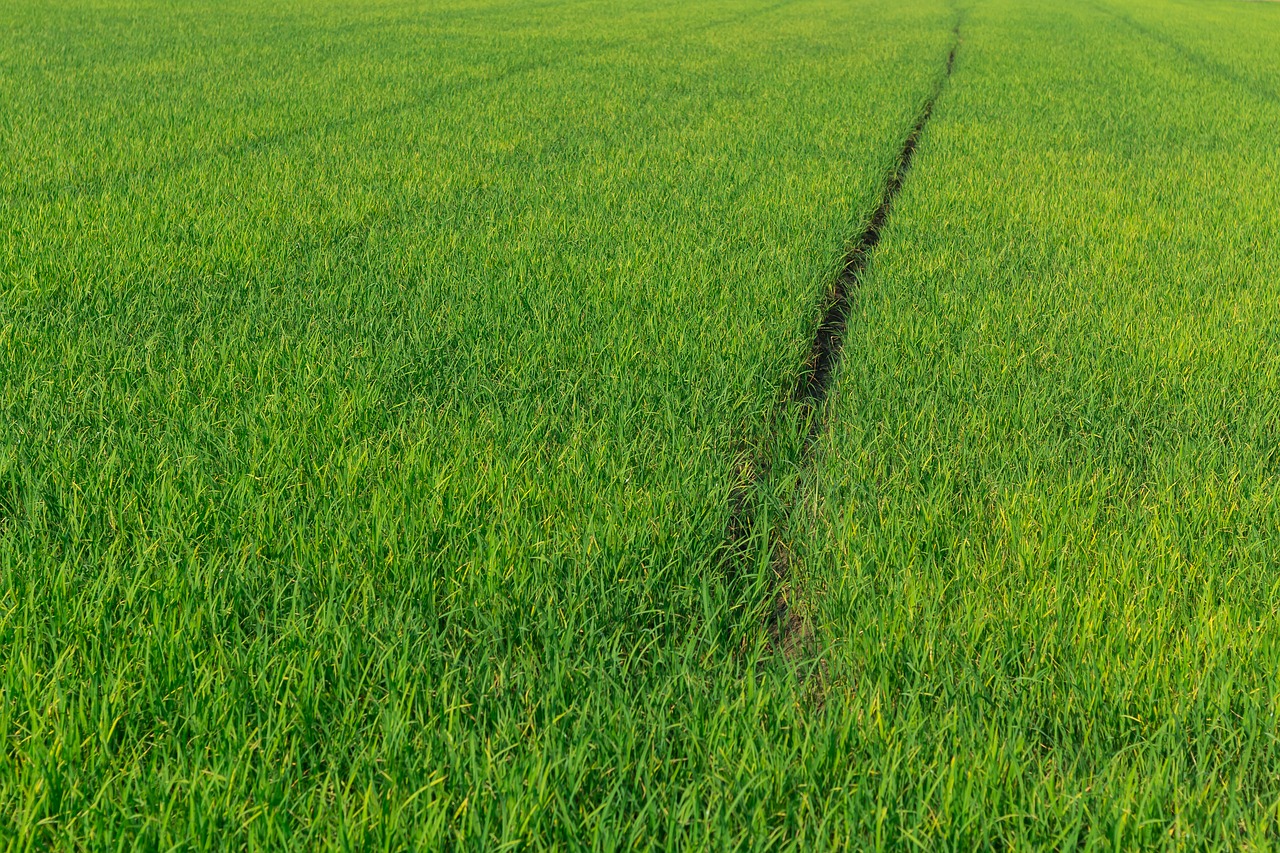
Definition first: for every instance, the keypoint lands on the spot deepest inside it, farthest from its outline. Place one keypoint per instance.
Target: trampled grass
(378, 381)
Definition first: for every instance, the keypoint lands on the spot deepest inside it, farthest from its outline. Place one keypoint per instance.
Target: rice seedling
(400, 444)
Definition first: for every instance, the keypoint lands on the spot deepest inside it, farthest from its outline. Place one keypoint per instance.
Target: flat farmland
(376, 380)
(735, 425)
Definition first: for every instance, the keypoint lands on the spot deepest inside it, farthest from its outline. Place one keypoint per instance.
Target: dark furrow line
(815, 382)
(787, 632)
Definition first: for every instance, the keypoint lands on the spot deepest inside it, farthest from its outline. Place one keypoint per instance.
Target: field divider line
(824, 355)
(788, 634)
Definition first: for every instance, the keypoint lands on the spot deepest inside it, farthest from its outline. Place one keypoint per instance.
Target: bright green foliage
(1047, 533)
(374, 378)
(377, 379)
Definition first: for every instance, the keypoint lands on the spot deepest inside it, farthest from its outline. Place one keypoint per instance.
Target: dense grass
(374, 379)
(1042, 532)
(377, 381)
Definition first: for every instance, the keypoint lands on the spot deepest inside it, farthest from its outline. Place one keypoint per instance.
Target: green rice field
(577, 424)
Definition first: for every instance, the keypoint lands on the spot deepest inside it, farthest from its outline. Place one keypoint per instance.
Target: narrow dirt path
(787, 631)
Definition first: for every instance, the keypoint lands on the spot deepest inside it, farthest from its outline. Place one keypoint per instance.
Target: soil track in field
(787, 631)
(825, 353)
